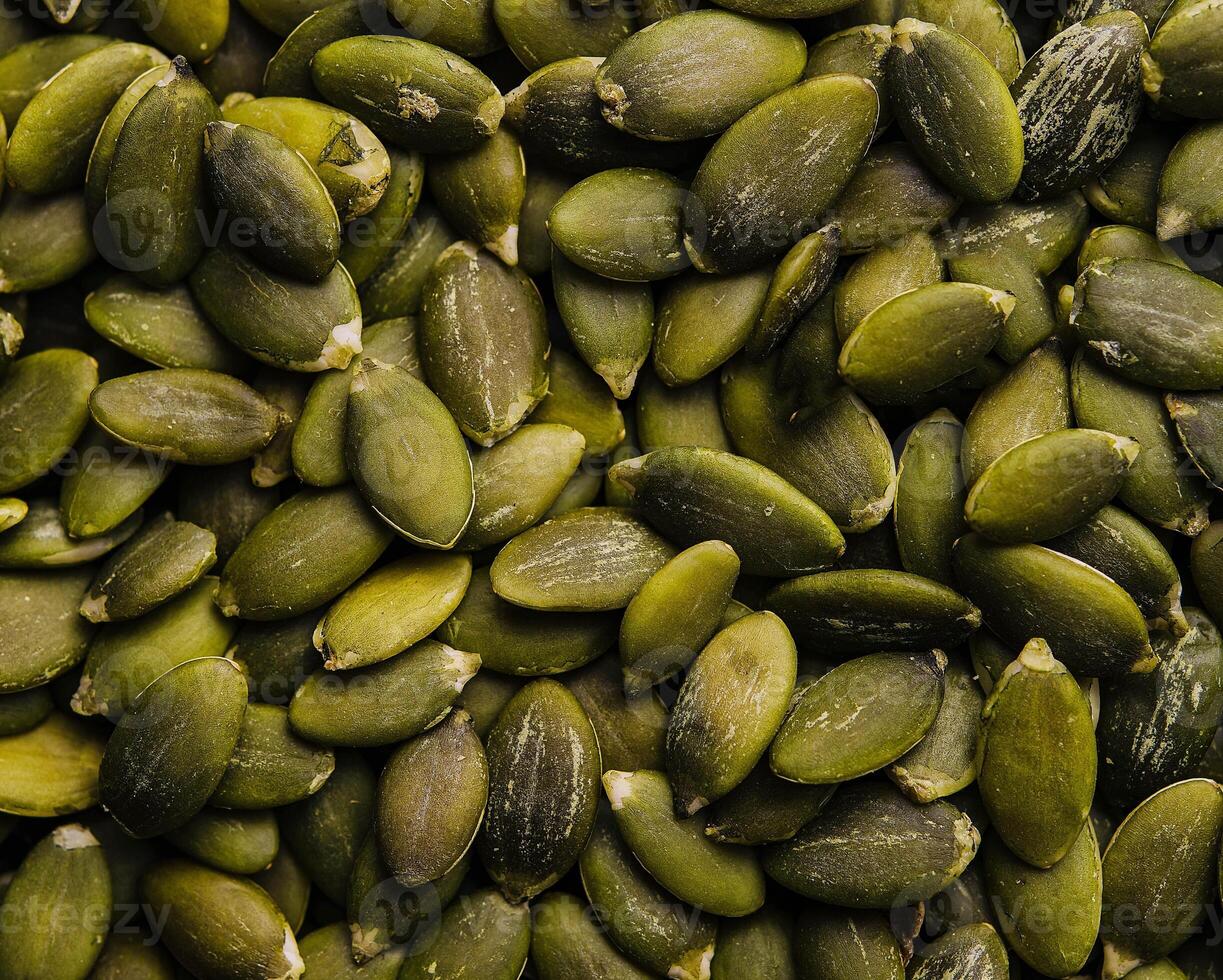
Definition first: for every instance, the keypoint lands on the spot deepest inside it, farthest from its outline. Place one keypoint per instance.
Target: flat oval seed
(566, 942)
(854, 611)
(799, 280)
(631, 727)
(107, 486)
(514, 640)
(24, 710)
(271, 766)
(366, 247)
(391, 609)
(929, 510)
(1124, 242)
(275, 572)
(923, 338)
(1022, 895)
(1038, 757)
(541, 33)
(489, 368)
(687, 416)
(32, 61)
(328, 952)
(859, 717)
(155, 182)
(407, 455)
(349, 159)
(718, 729)
(1206, 565)
(469, 29)
(1179, 71)
(641, 919)
(482, 930)
(481, 192)
(590, 560)
(280, 321)
(1189, 193)
(1048, 485)
(166, 557)
(227, 504)
(955, 108)
(43, 639)
(578, 398)
(971, 952)
(675, 613)
(1182, 823)
(52, 769)
(60, 896)
(770, 172)
(186, 414)
(694, 494)
(418, 840)
(765, 808)
(103, 153)
(1026, 590)
(757, 945)
(1046, 232)
(1154, 729)
(1128, 190)
(543, 778)
(219, 924)
(625, 224)
(859, 50)
(383, 704)
(872, 848)
(1031, 322)
(234, 841)
(837, 944)
(691, 77)
(1069, 135)
(889, 269)
(170, 749)
(43, 241)
(263, 184)
(721, 879)
(412, 93)
(1197, 417)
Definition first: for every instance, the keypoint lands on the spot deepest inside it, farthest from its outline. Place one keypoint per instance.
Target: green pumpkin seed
(720, 878)
(755, 946)
(705, 320)
(544, 31)
(693, 494)
(469, 29)
(241, 843)
(282, 16)
(1045, 233)
(288, 70)
(271, 766)
(51, 769)
(371, 241)
(799, 280)
(170, 749)
(481, 192)
(770, 173)
(567, 943)
(1206, 564)
(274, 575)
(589, 560)
(836, 454)
(861, 50)
(289, 887)
(155, 182)
(625, 224)
(97, 171)
(854, 611)
(640, 918)
(675, 613)
(1024, 590)
(971, 952)
(287, 391)
(276, 657)
(631, 727)
(1196, 417)
(891, 268)
(689, 77)
(391, 609)
(481, 930)
(1179, 71)
(328, 952)
(412, 93)
(44, 639)
(1038, 757)
(230, 421)
(976, 148)
(396, 287)
(890, 195)
(578, 398)
(1129, 553)
(124, 658)
(129, 956)
(1158, 487)
(383, 704)
(108, 486)
(326, 830)
(58, 902)
(220, 924)
(1128, 190)
(349, 159)
(944, 761)
(1124, 242)
(1011, 502)
(702, 764)
(1153, 906)
(51, 141)
(1031, 322)
(42, 540)
(1050, 917)
(514, 640)
(28, 65)
(418, 842)
(923, 338)
(859, 717)
(24, 710)
(929, 510)
(688, 416)
(765, 808)
(543, 778)
(226, 503)
(43, 409)
(489, 373)
(1156, 728)
(873, 848)
(840, 945)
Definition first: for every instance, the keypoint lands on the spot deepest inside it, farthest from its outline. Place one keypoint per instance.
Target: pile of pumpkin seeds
(604, 490)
